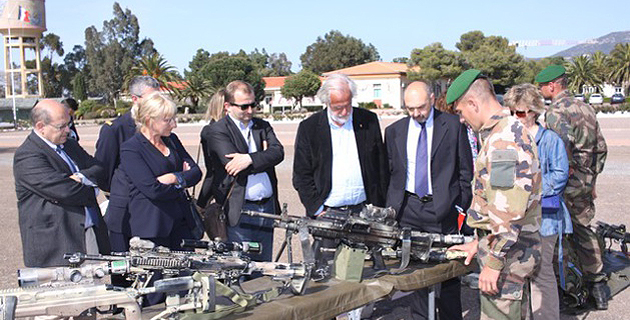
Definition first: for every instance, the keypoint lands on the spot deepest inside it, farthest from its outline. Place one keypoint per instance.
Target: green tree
(195, 88)
(620, 62)
(53, 44)
(601, 66)
(112, 52)
(199, 60)
(303, 84)
(335, 51)
(278, 65)
(401, 60)
(222, 70)
(581, 72)
(434, 63)
(153, 65)
(79, 87)
(493, 56)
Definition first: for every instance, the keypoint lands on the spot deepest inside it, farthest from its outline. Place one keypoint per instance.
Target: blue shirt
(554, 165)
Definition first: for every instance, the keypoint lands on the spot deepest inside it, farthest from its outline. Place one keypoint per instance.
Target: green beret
(550, 73)
(461, 84)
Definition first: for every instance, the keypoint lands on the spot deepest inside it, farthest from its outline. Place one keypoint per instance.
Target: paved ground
(613, 186)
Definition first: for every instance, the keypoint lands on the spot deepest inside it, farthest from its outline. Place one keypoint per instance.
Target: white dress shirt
(347, 181)
(413, 135)
(258, 184)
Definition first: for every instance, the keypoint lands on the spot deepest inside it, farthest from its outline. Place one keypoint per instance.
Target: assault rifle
(375, 228)
(71, 300)
(615, 234)
(222, 261)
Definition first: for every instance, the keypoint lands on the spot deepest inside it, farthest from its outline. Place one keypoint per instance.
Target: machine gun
(83, 299)
(374, 228)
(615, 234)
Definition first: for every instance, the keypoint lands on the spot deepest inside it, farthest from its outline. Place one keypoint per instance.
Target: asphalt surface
(613, 188)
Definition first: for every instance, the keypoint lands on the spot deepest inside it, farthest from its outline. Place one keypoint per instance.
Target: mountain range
(604, 44)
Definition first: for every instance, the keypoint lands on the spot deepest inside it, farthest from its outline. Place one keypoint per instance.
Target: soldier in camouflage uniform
(505, 210)
(576, 124)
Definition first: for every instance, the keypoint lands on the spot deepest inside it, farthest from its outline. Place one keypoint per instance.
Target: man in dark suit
(110, 138)
(245, 151)
(430, 165)
(56, 191)
(340, 159)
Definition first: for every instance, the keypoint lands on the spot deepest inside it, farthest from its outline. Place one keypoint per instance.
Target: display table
(326, 300)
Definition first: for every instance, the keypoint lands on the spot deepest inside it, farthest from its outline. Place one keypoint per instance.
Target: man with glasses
(111, 136)
(430, 163)
(246, 152)
(576, 124)
(340, 160)
(55, 183)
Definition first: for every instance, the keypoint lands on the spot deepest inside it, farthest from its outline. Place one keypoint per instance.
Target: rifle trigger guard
(406, 248)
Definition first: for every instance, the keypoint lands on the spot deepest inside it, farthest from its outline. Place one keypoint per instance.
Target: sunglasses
(246, 106)
(519, 113)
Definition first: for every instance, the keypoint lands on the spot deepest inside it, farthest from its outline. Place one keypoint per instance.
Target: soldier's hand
(488, 279)
(470, 248)
(239, 162)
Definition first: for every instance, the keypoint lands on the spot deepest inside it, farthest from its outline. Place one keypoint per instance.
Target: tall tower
(22, 23)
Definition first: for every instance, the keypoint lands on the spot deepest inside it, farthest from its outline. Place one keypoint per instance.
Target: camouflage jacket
(506, 187)
(576, 124)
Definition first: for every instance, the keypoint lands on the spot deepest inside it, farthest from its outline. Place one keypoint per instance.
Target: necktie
(91, 218)
(422, 179)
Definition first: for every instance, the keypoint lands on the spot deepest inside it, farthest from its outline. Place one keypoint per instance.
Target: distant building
(380, 82)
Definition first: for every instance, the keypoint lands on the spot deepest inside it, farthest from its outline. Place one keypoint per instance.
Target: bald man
(430, 166)
(55, 183)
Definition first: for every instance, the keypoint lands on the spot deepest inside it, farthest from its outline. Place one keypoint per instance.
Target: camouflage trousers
(523, 259)
(585, 242)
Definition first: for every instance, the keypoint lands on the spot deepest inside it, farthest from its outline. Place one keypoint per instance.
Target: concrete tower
(22, 23)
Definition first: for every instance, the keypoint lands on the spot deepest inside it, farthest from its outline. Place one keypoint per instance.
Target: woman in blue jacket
(159, 169)
(526, 103)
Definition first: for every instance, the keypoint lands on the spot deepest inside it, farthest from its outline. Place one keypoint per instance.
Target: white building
(380, 82)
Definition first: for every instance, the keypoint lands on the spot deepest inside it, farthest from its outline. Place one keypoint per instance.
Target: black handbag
(196, 224)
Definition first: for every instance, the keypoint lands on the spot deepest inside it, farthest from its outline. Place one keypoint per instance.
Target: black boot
(600, 294)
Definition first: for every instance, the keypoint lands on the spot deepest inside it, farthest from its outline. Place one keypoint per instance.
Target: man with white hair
(340, 159)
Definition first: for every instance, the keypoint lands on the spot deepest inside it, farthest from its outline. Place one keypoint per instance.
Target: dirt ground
(613, 189)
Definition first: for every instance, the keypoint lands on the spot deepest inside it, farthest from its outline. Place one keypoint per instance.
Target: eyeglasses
(170, 120)
(245, 106)
(60, 127)
(519, 113)
(412, 109)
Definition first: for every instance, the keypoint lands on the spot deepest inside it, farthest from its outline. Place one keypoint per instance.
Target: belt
(424, 199)
(260, 202)
(348, 208)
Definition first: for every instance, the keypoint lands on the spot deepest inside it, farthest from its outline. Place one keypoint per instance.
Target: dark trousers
(420, 216)
(255, 229)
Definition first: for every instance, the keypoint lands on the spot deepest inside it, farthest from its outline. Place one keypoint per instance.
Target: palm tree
(154, 65)
(601, 65)
(195, 88)
(581, 72)
(620, 61)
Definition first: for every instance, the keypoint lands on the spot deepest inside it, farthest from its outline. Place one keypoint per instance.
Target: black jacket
(51, 206)
(225, 138)
(312, 165)
(451, 169)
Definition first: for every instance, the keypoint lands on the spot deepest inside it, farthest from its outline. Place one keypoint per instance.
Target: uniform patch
(503, 168)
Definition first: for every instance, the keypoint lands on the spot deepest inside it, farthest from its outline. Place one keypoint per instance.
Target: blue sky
(179, 28)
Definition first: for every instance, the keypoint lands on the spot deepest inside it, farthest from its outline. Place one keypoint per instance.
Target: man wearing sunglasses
(576, 124)
(246, 152)
(56, 191)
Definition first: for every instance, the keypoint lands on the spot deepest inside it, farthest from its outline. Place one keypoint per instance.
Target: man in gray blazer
(55, 183)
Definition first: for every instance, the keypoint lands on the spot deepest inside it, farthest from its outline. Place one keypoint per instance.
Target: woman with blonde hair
(216, 111)
(159, 170)
(526, 103)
